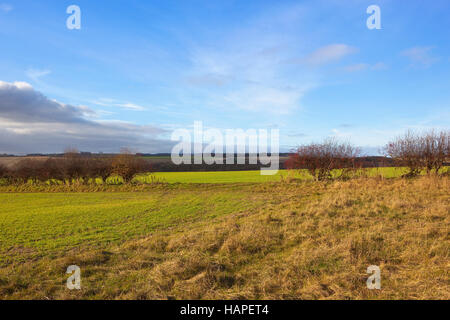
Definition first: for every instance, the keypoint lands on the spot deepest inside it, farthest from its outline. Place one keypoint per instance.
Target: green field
(218, 177)
(223, 236)
(221, 177)
(50, 222)
(255, 176)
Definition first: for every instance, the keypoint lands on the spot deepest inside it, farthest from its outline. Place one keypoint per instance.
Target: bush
(74, 168)
(127, 165)
(4, 172)
(320, 159)
(428, 151)
(52, 169)
(74, 165)
(99, 168)
(436, 149)
(28, 170)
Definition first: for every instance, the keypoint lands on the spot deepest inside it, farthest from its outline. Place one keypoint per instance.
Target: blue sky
(312, 69)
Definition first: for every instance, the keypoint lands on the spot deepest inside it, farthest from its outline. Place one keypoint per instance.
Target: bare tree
(427, 151)
(405, 150)
(320, 159)
(435, 149)
(127, 165)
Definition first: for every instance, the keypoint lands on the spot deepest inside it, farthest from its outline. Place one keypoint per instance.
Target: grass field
(298, 240)
(216, 177)
(255, 176)
(45, 223)
(219, 177)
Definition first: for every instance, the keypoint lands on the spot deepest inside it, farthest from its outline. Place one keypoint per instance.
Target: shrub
(427, 151)
(436, 149)
(4, 172)
(99, 168)
(320, 159)
(52, 169)
(74, 168)
(5, 175)
(74, 165)
(27, 170)
(127, 165)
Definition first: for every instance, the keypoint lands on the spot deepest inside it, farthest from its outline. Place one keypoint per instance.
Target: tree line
(425, 152)
(418, 152)
(73, 167)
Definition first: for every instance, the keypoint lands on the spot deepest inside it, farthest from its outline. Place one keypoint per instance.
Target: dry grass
(308, 241)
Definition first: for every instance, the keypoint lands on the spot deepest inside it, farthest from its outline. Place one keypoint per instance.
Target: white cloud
(356, 67)
(364, 66)
(131, 106)
(420, 56)
(5, 7)
(105, 112)
(35, 74)
(105, 102)
(328, 54)
(265, 99)
(379, 66)
(246, 69)
(17, 84)
(32, 123)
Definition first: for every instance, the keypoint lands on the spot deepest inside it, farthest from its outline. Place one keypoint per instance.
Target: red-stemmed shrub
(322, 159)
(427, 151)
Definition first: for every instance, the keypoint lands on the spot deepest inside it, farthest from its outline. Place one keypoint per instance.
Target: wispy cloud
(420, 56)
(379, 66)
(328, 54)
(266, 99)
(5, 7)
(365, 66)
(356, 67)
(209, 80)
(35, 74)
(247, 69)
(131, 106)
(105, 102)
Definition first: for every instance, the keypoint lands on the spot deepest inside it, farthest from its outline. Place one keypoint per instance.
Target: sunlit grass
(297, 240)
(46, 223)
(213, 177)
(256, 176)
